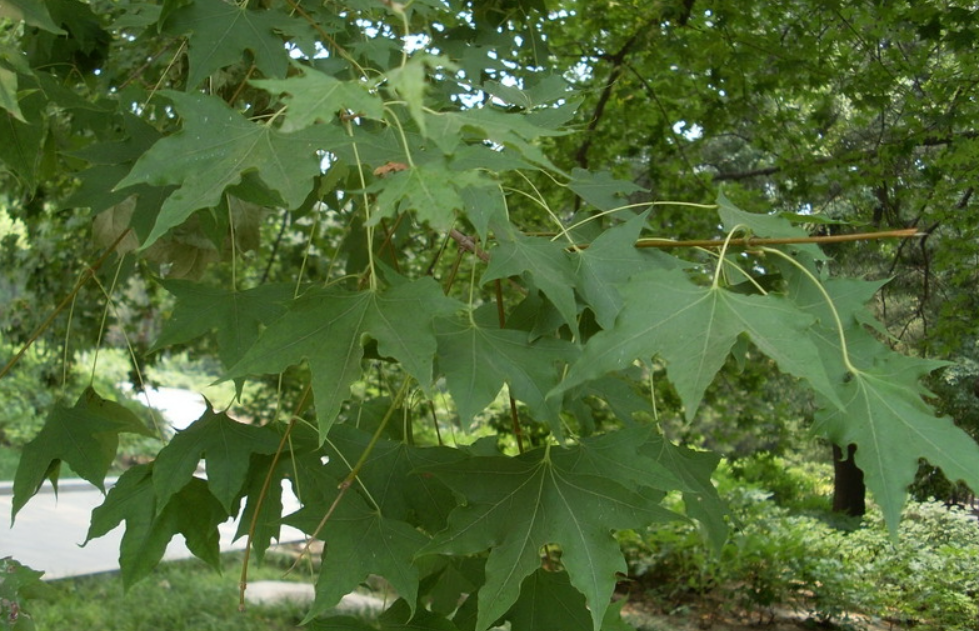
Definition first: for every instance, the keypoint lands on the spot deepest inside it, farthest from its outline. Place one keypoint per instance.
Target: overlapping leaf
(21, 143)
(34, 13)
(547, 89)
(215, 148)
(408, 84)
(85, 436)
(694, 469)
(391, 476)
(477, 360)
(515, 506)
(694, 328)
(234, 316)
(609, 260)
(620, 456)
(430, 190)
(224, 444)
(315, 96)
(547, 264)
(759, 224)
(8, 94)
(600, 189)
(548, 602)
(643, 460)
(359, 539)
(193, 512)
(513, 131)
(218, 33)
(266, 501)
(327, 328)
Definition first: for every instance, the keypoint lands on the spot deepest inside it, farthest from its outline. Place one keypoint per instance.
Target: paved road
(48, 531)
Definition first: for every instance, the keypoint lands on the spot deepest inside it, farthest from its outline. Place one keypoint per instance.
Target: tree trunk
(849, 491)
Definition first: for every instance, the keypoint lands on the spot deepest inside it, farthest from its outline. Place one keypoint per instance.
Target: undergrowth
(784, 553)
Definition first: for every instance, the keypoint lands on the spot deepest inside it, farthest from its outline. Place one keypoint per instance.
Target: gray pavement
(49, 530)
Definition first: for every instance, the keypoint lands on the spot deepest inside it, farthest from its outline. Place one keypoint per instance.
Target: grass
(178, 595)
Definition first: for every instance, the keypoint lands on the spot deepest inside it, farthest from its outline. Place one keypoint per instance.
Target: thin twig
(351, 477)
(514, 416)
(751, 242)
(468, 244)
(243, 582)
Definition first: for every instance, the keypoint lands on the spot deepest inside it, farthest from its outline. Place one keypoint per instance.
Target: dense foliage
(783, 555)
(372, 208)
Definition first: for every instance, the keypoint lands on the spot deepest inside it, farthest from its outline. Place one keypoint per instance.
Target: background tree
(856, 116)
(376, 208)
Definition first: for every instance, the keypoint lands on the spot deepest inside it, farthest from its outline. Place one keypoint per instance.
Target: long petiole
(829, 301)
(720, 263)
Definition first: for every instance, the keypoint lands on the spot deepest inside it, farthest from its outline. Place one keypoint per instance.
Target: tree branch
(617, 60)
(927, 141)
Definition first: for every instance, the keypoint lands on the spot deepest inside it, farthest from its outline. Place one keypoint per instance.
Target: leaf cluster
(359, 206)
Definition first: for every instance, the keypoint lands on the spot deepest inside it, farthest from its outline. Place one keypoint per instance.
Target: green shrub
(805, 487)
(24, 392)
(927, 577)
(773, 558)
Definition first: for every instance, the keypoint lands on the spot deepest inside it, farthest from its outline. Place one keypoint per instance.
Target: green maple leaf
(515, 506)
(22, 143)
(484, 206)
(477, 360)
(431, 190)
(315, 96)
(327, 327)
(600, 189)
(549, 88)
(219, 32)
(32, 12)
(266, 500)
(85, 436)
(611, 259)
(694, 328)
(390, 475)
(619, 455)
(515, 131)
(213, 151)
(881, 409)
(20, 586)
(548, 602)
(8, 94)
(694, 470)
(640, 458)
(402, 617)
(193, 512)
(893, 428)
(359, 540)
(408, 83)
(547, 264)
(235, 316)
(758, 224)
(224, 444)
